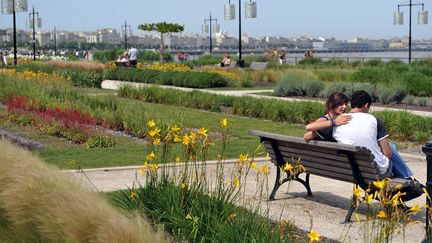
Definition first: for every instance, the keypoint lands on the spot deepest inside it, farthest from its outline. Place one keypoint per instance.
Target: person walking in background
(133, 56)
(185, 56)
(179, 57)
(4, 54)
(282, 57)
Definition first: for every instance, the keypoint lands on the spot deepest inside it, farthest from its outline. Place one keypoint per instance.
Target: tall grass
(40, 204)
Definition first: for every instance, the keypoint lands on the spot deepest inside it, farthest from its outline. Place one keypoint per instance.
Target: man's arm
(385, 147)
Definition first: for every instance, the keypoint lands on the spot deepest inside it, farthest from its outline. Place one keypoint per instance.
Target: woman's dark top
(325, 134)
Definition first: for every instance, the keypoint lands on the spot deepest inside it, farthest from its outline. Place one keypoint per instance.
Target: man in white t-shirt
(368, 131)
(133, 56)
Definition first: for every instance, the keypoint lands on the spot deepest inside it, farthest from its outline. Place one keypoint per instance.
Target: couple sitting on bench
(358, 128)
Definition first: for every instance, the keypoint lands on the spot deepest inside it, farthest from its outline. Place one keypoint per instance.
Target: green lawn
(61, 152)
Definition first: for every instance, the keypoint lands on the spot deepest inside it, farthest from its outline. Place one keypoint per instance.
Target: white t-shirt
(364, 130)
(133, 54)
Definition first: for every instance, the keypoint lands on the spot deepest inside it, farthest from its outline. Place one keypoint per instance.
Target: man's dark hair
(360, 98)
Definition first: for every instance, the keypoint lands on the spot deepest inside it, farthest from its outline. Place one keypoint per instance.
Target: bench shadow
(343, 203)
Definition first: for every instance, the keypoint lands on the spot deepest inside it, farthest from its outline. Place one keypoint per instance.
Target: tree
(162, 28)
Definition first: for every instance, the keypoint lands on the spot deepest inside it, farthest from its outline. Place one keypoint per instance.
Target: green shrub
(409, 99)
(391, 94)
(100, 141)
(310, 61)
(374, 75)
(295, 86)
(373, 63)
(421, 101)
(342, 87)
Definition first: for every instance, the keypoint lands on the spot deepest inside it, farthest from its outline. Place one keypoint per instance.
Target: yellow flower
(236, 182)
(189, 217)
(193, 135)
(177, 159)
(381, 214)
(133, 195)
(175, 128)
(357, 191)
(156, 141)
(264, 170)
(244, 157)
(143, 169)
(313, 236)
(203, 132)
(224, 122)
(154, 132)
(369, 198)
(183, 186)
(154, 167)
(379, 184)
(151, 156)
(253, 165)
(151, 123)
(185, 139)
(177, 139)
(415, 209)
(287, 167)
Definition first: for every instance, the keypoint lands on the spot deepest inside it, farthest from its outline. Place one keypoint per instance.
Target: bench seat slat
(361, 160)
(340, 177)
(325, 162)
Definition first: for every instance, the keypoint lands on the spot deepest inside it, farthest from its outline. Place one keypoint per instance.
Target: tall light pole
(250, 12)
(422, 19)
(11, 7)
(55, 41)
(125, 27)
(32, 19)
(205, 28)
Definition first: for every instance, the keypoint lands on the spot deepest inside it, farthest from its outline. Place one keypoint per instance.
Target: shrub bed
(176, 78)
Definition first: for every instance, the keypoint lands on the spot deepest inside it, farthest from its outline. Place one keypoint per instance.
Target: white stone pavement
(115, 85)
(328, 206)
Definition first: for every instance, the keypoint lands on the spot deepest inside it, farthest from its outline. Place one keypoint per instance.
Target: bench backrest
(321, 158)
(258, 65)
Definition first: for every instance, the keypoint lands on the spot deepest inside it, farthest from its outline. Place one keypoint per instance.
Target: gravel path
(327, 207)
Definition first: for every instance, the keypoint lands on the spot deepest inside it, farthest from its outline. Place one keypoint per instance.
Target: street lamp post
(55, 41)
(11, 7)
(125, 27)
(251, 10)
(398, 20)
(205, 30)
(32, 19)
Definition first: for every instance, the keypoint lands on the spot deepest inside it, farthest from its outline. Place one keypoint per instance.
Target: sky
(342, 19)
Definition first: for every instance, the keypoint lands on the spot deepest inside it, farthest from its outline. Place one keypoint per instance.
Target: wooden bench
(341, 162)
(258, 65)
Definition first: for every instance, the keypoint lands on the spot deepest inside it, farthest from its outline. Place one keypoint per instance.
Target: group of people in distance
(182, 56)
(129, 57)
(358, 128)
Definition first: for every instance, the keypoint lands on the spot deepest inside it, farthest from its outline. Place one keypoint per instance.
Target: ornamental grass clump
(197, 201)
(40, 204)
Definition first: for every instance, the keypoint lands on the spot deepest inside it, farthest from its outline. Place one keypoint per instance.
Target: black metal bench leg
(351, 209)
(305, 184)
(277, 183)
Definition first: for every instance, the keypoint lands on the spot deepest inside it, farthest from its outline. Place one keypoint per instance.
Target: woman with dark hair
(322, 128)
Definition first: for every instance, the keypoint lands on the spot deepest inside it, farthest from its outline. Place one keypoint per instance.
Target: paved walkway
(115, 85)
(327, 207)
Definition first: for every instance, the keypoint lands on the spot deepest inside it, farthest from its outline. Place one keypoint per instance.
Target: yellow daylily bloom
(186, 140)
(313, 236)
(189, 217)
(381, 214)
(287, 167)
(183, 186)
(244, 157)
(175, 128)
(193, 135)
(379, 184)
(156, 141)
(203, 132)
(151, 123)
(415, 209)
(151, 156)
(143, 170)
(264, 170)
(357, 191)
(154, 167)
(253, 165)
(224, 122)
(177, 159)
(236, 182)
(177, 139)
(369, 198)
(154, 132)
(133, 195)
